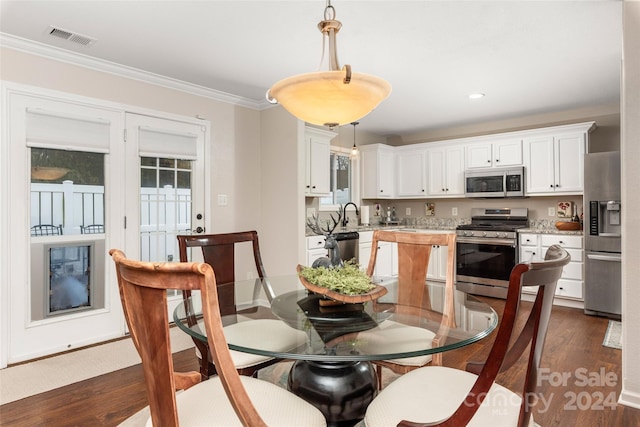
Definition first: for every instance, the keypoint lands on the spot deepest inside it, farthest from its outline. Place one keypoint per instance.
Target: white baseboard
(629, 398)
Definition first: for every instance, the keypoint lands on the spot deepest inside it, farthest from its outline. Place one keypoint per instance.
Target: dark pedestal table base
(341, 390)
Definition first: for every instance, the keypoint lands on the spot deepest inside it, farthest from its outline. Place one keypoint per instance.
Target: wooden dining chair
(437, 395)
(225, 400)
(414, 254)
(218, 250)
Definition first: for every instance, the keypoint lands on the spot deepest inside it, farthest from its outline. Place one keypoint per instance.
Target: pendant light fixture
(334, 97)
(354, 149)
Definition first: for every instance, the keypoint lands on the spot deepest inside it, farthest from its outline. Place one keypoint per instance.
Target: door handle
(199, 230)
(615, 258)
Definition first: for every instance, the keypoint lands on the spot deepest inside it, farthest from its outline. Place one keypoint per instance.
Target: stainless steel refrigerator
(602, 231)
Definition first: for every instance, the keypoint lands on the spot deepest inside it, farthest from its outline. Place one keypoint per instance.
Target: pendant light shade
(334, 97)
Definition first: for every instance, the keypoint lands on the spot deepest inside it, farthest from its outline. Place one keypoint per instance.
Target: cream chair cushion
(274, 335)
(206, 404)
(433, 393)
(402, 338)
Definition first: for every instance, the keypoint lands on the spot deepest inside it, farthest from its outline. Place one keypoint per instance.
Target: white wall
(630, 394)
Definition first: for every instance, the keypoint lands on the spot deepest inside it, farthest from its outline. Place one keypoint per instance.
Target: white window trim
(355, 180)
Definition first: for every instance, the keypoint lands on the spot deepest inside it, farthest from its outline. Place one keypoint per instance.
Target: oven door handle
(481, 241)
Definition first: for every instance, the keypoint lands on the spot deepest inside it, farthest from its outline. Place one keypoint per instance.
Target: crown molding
(73, 58)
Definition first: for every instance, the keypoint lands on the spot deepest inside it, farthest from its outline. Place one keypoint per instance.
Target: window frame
(355, 179)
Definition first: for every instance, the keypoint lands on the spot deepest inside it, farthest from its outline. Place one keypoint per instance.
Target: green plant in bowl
(347, 280)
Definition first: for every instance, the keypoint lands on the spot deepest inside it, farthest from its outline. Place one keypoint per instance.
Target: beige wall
(630, 394)
(235, 150)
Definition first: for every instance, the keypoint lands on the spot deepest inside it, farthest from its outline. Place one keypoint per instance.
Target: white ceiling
(527, 56)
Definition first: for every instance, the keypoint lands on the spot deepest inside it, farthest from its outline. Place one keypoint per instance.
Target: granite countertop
(362, 228)
(551, 231)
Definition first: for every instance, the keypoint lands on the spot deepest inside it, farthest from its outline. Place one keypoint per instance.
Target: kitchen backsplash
(439, 213)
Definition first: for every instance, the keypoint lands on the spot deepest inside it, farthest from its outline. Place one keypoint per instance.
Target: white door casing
(21, 337)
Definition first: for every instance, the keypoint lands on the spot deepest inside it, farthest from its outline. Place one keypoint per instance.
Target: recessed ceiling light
(476, 95)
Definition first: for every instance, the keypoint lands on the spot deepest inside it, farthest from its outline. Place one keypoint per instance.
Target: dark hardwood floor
(573, 350)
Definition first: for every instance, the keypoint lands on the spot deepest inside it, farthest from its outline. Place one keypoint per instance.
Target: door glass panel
(67, 198)
(165, 209)
(67, 192)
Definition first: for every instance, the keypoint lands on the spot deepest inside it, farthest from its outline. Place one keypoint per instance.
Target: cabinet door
(386, 174)
(364, 255)
(378, 172)
(319, 166)
(507, 153)
(569, 163)
(411, 176)
(454, 174)
(314, 254)
(539, 165)
(479, 156)
(384, 259)
(436, 172)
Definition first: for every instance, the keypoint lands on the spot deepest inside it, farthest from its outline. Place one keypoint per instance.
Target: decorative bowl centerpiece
(346, 284)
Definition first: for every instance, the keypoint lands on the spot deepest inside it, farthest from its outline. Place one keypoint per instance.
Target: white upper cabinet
(378, 171)
(445, 171)
(494, 154)
(554, 164)
(412, 174)
(318, 157)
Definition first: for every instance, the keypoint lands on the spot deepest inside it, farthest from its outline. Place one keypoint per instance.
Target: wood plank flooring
(573, 349)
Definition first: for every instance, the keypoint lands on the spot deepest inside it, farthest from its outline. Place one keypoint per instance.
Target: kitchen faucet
(345, 220)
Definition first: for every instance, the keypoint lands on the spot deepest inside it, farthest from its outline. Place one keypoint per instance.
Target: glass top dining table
(370, 331)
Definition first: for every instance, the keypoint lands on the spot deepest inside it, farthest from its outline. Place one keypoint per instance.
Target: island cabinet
(377, 162)
(533, 246)
(502, 153)
(412, 172)
(317, 161)
(554, 163)
(445, 170)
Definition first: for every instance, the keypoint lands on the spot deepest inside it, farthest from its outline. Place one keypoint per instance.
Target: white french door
(133, 193)
(165, 158)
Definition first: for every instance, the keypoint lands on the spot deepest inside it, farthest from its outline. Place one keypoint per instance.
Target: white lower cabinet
(386, 260)
(438, 263)
(315, 249)
(571, 283)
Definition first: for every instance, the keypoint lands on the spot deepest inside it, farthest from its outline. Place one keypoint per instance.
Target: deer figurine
(334, 259)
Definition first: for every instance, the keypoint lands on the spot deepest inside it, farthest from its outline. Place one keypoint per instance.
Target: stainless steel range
(487, 250)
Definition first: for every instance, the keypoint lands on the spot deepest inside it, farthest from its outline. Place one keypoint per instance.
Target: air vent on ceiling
(71, 36)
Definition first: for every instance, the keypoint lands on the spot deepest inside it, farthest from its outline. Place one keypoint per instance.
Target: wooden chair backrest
(414, 253)
(143, 287)
(545, 275)
(218, 250)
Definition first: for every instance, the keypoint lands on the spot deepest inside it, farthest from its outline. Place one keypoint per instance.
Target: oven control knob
(484, 234)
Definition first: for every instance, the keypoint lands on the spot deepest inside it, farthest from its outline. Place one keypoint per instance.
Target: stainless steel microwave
(496, 182)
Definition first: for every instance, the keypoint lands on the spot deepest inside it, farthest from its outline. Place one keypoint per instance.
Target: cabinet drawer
(573, 270)
(528, 239)
(569, 288)
(576, 254)
(562, 240)
(365, 236)
(315, 242)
